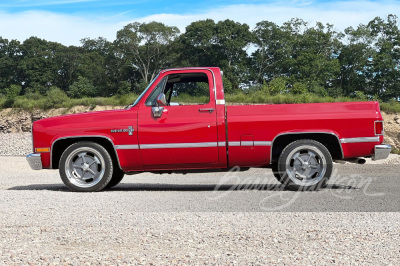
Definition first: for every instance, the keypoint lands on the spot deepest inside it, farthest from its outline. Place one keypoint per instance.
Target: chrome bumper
(35, 161)
(381, 152)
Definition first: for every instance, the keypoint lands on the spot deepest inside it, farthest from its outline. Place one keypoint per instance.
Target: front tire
(305, 165)
(86, 167)
(117, 177)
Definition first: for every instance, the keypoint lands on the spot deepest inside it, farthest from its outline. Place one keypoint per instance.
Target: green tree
(222, 44)
(147, 47)
(300, 54)
(314, 56)
(355, 60)
(38, 66)
(198, 42)
(386, 62)
(271, 51)
(104, 66)
(232, 40)
(10, 56)
(68, 62)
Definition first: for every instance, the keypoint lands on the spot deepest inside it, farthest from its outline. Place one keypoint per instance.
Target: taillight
(378, 128)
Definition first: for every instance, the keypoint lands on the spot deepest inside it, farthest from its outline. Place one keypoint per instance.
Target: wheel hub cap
(85, 167)
(306, 165)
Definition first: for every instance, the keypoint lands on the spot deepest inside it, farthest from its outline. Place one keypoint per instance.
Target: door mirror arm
(157, 111)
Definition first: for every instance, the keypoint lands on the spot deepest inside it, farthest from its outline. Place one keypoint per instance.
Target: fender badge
(130, 130)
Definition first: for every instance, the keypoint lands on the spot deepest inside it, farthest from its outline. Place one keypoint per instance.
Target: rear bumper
(35, 161)
(381, 152)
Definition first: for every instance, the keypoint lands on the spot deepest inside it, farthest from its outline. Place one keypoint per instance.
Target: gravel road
(241, 218)
(15, 144)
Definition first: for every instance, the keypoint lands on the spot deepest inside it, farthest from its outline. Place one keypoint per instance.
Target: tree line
(294, 58)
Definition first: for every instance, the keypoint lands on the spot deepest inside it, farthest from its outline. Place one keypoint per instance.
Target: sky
(69, 21)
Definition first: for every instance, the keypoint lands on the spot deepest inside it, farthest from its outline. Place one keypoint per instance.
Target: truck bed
(252, 129)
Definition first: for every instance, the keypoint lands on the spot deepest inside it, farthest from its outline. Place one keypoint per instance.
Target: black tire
(305, 165)
(116, 178)
(86, 167)
(275, 172)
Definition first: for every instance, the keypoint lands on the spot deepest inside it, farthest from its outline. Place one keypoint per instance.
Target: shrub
(11, 94)
(228, 88)
(359, 95)
(124, 88)
(392, 106)
(275, 86)
(299, 88)
(127, 99)
(56, 98)
(2, 102)
(82, 88)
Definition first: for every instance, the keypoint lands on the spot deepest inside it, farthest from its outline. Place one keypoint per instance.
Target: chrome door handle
(206, 110)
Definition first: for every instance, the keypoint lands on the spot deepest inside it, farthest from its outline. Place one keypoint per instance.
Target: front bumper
(35, 161)
(381, 152)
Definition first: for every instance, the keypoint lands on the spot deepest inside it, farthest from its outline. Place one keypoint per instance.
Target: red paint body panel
(248, 156)
(266, 122)
(228, 135)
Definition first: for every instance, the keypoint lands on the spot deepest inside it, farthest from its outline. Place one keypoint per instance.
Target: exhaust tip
(361, 161)
(352, 160)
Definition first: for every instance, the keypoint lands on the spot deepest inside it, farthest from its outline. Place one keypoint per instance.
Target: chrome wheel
(306, 165)
(85, 167)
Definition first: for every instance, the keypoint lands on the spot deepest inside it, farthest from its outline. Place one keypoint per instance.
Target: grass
(395, 150)
(32, 102)
(390, 107)
(259, 97)
(37, 101)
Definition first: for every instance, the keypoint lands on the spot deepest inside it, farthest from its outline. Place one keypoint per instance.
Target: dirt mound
(392, 129)
(19, 121)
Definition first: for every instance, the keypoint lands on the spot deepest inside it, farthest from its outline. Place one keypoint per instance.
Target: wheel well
(330, 141)
(61, 145)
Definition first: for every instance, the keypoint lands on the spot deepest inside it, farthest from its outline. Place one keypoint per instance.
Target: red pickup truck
(181, 123)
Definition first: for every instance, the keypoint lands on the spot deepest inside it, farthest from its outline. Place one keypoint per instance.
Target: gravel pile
(15, 144)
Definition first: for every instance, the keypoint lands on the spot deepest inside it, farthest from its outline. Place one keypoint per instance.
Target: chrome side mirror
(161, 101)
(157, 111)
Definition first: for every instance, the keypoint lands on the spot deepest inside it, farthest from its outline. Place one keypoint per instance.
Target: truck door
(183, 134)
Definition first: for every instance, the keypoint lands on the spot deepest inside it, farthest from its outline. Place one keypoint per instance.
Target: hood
(85, 121)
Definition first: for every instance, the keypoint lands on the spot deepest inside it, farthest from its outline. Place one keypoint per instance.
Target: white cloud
(69, 29)
(341, 14)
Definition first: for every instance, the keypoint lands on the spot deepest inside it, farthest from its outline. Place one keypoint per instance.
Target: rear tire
(305, 165)
(86, 167)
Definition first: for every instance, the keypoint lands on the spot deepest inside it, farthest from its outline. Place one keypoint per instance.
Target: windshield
(143, 93)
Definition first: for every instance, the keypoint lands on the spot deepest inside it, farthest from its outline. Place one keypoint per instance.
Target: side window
(188, 89)
(152, 99)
